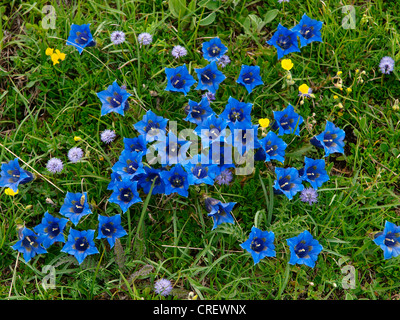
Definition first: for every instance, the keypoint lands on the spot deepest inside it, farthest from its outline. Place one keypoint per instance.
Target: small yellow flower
(339, 73)
(264, 122)
(287, 64)
(58, 55)
(349, 90)
(335, 97)
(77, 138)
(304, 88)
(10, 192)
(49, 51)
(340, 114)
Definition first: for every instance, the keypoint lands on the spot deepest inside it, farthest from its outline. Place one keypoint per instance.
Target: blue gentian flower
(80, 37)
(236, 111)
(50, 230)
(288, 181)
(214, 49)
(172, 150)
(285, 41)
(201, 172)
(80, 244)
(129, 164)
(331, 139)
(146, 180)
(125, 193)
(29, 245)
(211, 130)
(75, 206)
(304, 249)
(12, 175)
(114, 99)
(220, 212)
(389, 240)
(274, 147)
(249, 77)
(176, 180)
(209, 77)
(137, 144)
(308, 30)
(220, 153)
(153, 127)
(114, 178)
(314, 172)
(198, 112)
(179, 79)
(288, 121)
(260, 244)
(244, 136)
(110, 228)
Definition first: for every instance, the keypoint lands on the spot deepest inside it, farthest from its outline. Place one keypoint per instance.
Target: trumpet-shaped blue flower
(80, 244)
(80, 37)
(125, 193)
(198, 112)
(50, 230)
(75, 206)
(389, 240)
(260, 244)
(220, 212)
(314, 172)
(304, 249)
(29, 245)
(146, 180)
(285, 41)
(209, 77)
(137, 144)
(220, 153)
(274, 147)
(179, 79)
(12, 175)
(288, 181)
(176, 181)
(288, 121)
(244, 136)
(236, 111)
(308, 30)
(249, 77)
(214, 49)
(152, 127)
(110, 228)
(331, 139)
(201, 172)
(172, 150)
(211, 130)
(114, 99)
(129, 164)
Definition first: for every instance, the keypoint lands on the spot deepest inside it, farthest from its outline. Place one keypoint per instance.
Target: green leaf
(177, 7)
(270, 15)
(208, 20)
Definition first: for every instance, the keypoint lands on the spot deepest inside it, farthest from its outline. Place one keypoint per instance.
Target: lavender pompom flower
(145, 38)
(117, 37)
(386, 65)
(75, 154)
(107, 136)
(163, 287)
(225, 177)
(54, 165)
(280, 1)
(309, 195)
(223, 61)
(209, 95)
(178, 51)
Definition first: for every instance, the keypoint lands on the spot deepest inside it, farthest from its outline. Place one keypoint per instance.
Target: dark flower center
(270, 149)
(284, 42)
(236, 115)
(248, 77)
(329, 139)
(15, 175)
(200, 172)
(177, 81)
(116, 100)
(312, 174)
(391, 239)
(132, 167)
(307, 32)
(136, 146)
(81, 244)
(214, 133)
(257, 245)
(126, 195)
(214, 50)
(176, 181)
(151, 126)
(78, 207)
(29, 241)
(285, 184)
(53, 230)
(82, 37)
(207, 76)
(286, 122)
(154, 176)
(301, 249)
(197, 112)
(108, 229)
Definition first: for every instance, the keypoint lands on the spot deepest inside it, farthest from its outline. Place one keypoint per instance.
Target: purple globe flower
(386, 65)
(225, 177)
(54, 165)
(309, 195)
(75, 154)
(117, 37)
(178, 51)
(107, 136)
(163, 287)
(145, 38)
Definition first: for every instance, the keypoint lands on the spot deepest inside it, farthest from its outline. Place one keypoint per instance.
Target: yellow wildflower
(349, 90)
(335, 97)
(10, 192)
(49, 51)
(264, 122)
(287, 64)
(58, 55)
(77, 138)
(339, 73)
(304, 88)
